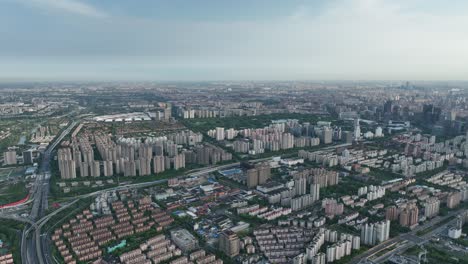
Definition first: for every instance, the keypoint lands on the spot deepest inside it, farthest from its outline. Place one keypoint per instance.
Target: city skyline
(222, 132)
(84, 40)
(233, 172)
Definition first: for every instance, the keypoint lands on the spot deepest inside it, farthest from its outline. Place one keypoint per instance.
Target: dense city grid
(238, 172)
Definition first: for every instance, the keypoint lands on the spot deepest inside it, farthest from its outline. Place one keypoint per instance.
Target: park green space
(10, 234)
(241, 122)
(12, 192)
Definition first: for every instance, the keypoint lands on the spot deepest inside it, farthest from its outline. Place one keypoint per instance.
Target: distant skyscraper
(453, 115)
(357, 129)
(27, 157)
(388, 106)
(327, 135)
(252, 178)
(431, 113)
(167, 112)
(348, 136)
(378, 132)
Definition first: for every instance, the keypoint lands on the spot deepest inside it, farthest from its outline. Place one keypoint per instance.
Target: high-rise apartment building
(391, 213)
(9, 157)
(67, 165)
(315, 191)
(179, 161)
(431, 207)
(95, 169)
(144, 167)
(453, 199)
(258, 175)
(158, 164)
(220, 133)
(409, 215)
(129, 168)
(300, 186)
(108, 168)
(375, 233)
(264, 173)
(84, 169)
(229, 243)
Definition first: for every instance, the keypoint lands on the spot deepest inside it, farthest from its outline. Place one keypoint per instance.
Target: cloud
(68, 6)
(347, 39)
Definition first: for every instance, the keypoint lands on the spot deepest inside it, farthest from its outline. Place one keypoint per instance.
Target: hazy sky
(231, 40)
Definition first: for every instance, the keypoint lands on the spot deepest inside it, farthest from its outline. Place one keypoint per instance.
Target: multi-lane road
(35, 247)
(415, 240)
(30, 245)
(41, 242)
(404, 241)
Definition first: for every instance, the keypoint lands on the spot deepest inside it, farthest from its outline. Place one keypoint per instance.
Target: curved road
(35, 248)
